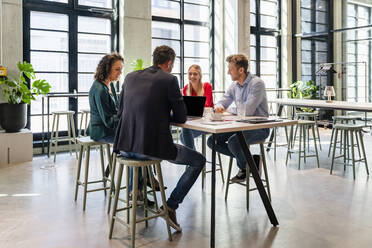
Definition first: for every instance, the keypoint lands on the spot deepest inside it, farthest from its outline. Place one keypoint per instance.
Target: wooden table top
(229, 124)
(355, 106)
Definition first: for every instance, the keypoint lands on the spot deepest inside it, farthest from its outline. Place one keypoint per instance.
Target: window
(315, 41)
(64, 40)
(265, 42)
(184, 26)
(357, 53)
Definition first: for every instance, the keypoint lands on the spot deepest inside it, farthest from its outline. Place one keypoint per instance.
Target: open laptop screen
(195, 105)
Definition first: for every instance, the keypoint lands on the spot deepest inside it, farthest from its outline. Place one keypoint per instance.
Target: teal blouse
(103, 111)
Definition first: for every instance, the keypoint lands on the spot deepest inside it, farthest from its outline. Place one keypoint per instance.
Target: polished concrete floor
(314, 209)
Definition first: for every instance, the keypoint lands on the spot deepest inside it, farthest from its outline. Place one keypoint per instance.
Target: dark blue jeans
(228, 143)
(195, 162)
(108, 139)
(188, 136)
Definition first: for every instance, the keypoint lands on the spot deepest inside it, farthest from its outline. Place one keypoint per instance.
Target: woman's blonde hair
(200, 91)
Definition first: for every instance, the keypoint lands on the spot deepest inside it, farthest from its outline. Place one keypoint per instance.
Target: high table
(340, 105)
(238, 127)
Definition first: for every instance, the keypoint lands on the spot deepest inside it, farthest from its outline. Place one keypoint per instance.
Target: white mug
(216, 116)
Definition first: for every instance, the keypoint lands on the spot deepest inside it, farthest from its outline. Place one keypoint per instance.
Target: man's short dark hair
(163, 54)
(239, 60)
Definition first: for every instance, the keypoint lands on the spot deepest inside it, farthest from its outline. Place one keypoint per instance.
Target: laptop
(194, 106)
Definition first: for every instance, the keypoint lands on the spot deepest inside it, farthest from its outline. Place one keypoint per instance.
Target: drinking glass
(240, 109)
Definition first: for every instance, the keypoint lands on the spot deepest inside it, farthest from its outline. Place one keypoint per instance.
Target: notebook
(194, 106)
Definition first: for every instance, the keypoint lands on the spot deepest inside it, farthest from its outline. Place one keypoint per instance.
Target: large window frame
(182, 22)
(258, 30)
(73, 10)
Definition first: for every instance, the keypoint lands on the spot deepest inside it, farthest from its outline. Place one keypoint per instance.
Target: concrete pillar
(337, 48)
(244, 28)
(11, 47)
(135, 32)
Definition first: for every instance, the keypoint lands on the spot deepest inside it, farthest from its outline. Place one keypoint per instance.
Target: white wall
(11, 50)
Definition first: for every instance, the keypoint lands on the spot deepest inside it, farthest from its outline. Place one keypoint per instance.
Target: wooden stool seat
(305, 122)
(136, 164)
(345, 117)
(310, 114)
(65, 112)
(88, 141)
(348, 127)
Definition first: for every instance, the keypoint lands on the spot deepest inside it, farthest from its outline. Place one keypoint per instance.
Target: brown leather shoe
(156, 184)
(172, 219)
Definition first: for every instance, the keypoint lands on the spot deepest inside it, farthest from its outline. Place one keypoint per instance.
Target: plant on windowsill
(18, 93)
(304, 90)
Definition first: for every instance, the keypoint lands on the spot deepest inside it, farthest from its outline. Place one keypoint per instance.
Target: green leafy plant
(138, 65)
(302, 90)
(16, 89)
(307, 90)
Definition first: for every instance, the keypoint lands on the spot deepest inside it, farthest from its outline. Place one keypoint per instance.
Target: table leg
(213, 206)
(280, 109)
(42, 125)
(48, 134)
(257, 179)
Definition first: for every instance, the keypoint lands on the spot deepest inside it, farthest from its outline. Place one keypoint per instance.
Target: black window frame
(73, 10)
(182, 22)
(259, 31)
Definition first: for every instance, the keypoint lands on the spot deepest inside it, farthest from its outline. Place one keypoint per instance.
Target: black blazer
(146, 101)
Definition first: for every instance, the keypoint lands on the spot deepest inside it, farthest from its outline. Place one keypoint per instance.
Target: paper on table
(215, 122)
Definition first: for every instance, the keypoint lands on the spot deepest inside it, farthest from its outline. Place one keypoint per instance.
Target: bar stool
(311, 116)
(112, 186)
(70, 129)
(275, 131)
(85, 113)
(246, 184)
(85, 144)
(342, 119)
(205, 171)
(349, 132)
(303, 125)
(136, 165)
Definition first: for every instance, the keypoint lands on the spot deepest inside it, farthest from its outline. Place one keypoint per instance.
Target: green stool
(246, 184)
(310, 116)
(86, 143)
(54, 138)
(342, 120)
(136, 165)
(349, 132)
(303, 126)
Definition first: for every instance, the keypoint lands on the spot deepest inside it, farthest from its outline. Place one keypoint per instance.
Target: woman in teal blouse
(103, 100)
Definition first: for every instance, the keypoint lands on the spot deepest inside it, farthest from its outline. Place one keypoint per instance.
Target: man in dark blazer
(150, 99)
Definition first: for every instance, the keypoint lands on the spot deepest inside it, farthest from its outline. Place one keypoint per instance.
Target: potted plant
(304, 90)
(18, 93)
